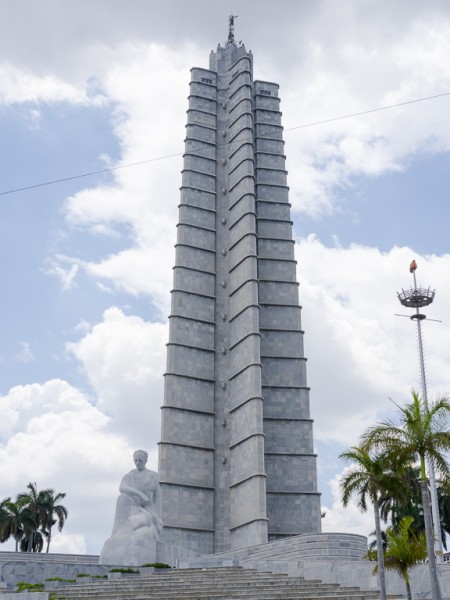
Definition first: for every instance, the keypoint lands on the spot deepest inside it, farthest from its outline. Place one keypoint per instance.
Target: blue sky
(392, 209)
(87, 264)
(32, 230)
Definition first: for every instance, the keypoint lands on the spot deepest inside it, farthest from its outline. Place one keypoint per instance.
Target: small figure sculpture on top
(231, 28)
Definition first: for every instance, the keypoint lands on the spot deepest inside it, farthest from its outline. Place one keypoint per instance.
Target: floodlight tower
(416, 298)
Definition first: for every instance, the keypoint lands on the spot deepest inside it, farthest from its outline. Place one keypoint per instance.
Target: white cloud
(67, 543)
(67, 276)
(83, 326)
(19, 85)
(25, 355)
(58, 436)
(359, 353)
(51, 434)
(149, 124)
(350, 518)
(123, 358)
(361, 73)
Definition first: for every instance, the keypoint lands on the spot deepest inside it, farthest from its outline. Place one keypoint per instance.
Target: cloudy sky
(86, 264)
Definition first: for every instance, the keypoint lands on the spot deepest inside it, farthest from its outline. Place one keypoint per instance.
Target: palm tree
(370, 478)
(443, 494)
(53, 509)
(422, 435)
(397, 509)
(37, 543)
(11, 521)
(32, 517)
(34, 503)
(405, 548)
(373, 545)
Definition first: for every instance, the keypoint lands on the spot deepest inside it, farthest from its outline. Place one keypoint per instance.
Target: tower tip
(231, 19)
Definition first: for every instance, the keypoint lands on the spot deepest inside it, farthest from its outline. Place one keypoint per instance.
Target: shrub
(23, 586)
(157, 565)
(123, 570)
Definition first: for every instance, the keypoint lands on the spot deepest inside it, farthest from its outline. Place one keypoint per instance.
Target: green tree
(395, 509)
(11, 521)
(405, 548)
(31, 518)
(37, 542)
(55, 513)
(33, 503)
(372, 552)
(421, 435)
(369, 478)
(443, 494)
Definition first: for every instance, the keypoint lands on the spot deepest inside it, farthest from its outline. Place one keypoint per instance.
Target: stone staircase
(224, 583)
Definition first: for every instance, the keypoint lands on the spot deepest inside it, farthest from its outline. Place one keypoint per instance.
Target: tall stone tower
(236, 458)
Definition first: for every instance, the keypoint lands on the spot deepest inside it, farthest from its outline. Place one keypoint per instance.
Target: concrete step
(228, 586)
(222, 584)
(230, 583)
(74, 559)
(189, 593)
(210, 595)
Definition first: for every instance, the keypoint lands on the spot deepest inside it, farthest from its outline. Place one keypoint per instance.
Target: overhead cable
(159, 158)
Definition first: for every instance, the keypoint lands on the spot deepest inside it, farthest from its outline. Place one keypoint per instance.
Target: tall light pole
(416, 298)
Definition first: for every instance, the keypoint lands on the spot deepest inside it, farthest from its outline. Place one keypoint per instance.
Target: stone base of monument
(129, 552)
(172, 555)
(132, 555)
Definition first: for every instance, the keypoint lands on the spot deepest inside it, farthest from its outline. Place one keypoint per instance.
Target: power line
(88, 174)
(158, 158)
(370, 110)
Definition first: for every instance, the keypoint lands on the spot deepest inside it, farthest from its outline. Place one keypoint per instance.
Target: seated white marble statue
(137, 522)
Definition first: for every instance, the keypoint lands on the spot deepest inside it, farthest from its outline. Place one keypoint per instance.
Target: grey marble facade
(236, 459)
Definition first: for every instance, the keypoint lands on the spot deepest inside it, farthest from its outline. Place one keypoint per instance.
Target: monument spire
(231, 19)
(236, 459)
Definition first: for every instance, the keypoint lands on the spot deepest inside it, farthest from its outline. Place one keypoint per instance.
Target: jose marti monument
(236, 460)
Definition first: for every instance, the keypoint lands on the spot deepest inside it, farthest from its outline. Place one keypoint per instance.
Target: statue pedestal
(130, 552)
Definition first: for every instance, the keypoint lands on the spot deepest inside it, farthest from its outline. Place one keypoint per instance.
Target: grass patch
(123, 570)
(157, 565)
(24, 586)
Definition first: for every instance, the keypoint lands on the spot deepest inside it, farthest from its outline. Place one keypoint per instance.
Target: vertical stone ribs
(186, 452)
(246, 439)
(293, 504)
